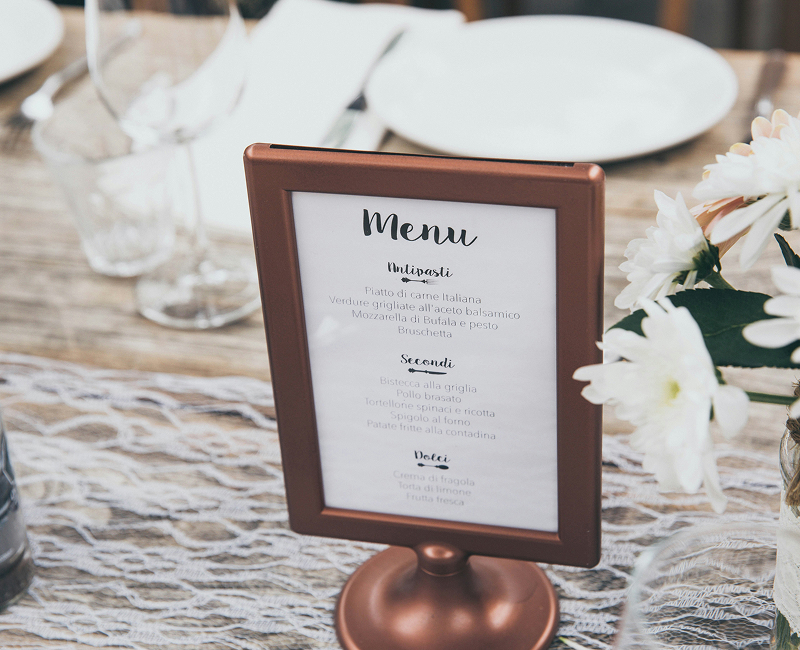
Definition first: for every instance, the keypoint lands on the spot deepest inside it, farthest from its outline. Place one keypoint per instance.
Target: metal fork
(341, 129)
(39, 105)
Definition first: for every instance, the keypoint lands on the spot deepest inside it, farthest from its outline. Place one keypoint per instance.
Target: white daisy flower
(767, 172)
(666, 386)
(781, 331)
(676, 253)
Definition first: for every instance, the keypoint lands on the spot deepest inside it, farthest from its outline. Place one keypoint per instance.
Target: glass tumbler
(121, 197)
(16, 562)
(705, 587)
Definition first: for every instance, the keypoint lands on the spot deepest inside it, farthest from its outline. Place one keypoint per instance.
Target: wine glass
(707, 586)
(183, 73)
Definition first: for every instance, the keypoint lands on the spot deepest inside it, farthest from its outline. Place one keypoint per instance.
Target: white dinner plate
(563, 88)
(30, 31)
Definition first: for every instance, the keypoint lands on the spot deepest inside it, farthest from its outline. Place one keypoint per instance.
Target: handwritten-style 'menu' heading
(404, 231)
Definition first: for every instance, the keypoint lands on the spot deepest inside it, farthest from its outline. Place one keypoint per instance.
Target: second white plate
(563, 88)
(30, 31)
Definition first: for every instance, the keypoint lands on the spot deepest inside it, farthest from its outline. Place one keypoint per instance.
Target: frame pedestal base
(435, 597)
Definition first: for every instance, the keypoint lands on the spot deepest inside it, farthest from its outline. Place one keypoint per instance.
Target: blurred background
(737, 24)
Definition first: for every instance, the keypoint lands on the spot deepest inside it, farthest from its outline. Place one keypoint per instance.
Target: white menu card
(432, 341)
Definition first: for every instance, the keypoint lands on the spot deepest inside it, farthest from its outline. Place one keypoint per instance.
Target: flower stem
(769, 398)
(716, 280)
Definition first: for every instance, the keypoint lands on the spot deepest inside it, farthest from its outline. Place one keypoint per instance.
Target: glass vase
(786, 633)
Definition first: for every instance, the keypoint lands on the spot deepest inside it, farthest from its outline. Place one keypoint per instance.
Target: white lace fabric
(787, 573)
(156, 515)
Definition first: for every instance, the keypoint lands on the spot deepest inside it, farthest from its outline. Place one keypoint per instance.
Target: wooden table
(53, 305)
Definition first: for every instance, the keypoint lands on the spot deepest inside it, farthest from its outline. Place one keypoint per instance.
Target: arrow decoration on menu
(422, 281)
(436, 466)
(427, 372)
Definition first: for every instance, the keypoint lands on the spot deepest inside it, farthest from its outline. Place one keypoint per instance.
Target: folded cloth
(308, 60)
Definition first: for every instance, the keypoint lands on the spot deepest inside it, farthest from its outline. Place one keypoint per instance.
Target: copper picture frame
(575, 192)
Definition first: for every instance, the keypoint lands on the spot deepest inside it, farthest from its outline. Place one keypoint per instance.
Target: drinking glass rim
(644, 563)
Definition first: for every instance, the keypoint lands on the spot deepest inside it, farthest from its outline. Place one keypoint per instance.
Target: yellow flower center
(671, 390)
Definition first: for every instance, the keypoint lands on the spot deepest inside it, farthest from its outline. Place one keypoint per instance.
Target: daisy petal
(774, 333)
(587, 373)
(738, 220)
(759, 235)
(787, 279)
(663, 202)
(761, 128)
(741, 149)
(794, 206)
(731, 406)
(783, 306)
(781, 118)
(711, 482)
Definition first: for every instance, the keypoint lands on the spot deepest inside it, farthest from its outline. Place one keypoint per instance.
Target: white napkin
(308, 60)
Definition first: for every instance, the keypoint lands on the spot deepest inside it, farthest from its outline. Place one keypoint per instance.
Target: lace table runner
(156, 515)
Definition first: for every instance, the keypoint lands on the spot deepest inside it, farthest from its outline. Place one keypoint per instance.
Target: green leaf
(784, 639)
(722, 315)
(789, 256)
